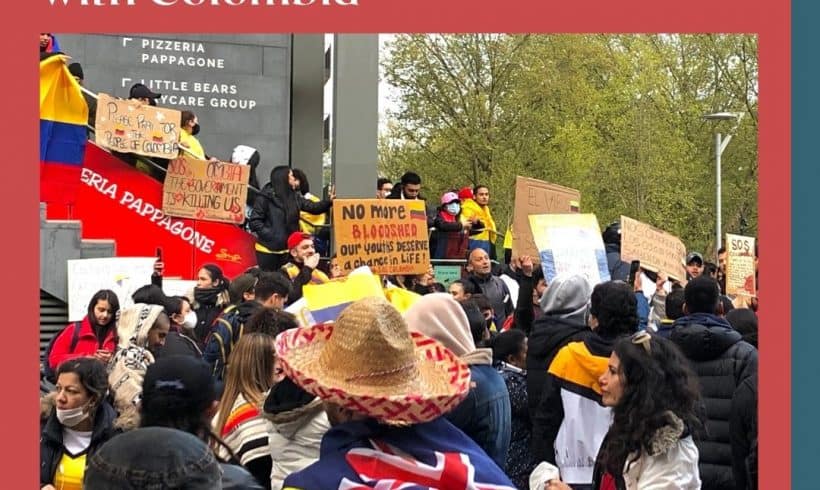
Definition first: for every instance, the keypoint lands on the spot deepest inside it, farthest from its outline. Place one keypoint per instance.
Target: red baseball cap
(296, 238)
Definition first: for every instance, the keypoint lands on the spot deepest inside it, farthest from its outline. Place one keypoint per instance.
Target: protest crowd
(511, 376)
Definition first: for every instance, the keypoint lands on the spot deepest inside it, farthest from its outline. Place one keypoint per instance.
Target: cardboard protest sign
(534, 196)
(389, 236)
(123, 275)
(212, 191)
(570, 244)
(130, 127)
(740, 265)
(657, 250)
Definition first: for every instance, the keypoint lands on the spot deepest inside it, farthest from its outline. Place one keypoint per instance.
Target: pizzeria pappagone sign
(389, 236)
(206, 190)
(128, 126)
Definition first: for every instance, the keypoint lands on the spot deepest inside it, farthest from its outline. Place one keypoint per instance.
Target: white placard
(123, 275)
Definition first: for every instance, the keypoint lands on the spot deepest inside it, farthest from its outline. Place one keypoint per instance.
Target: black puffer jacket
(549, 334)
(269, 222)
(722, 362)
(51, 439)
(743, 426)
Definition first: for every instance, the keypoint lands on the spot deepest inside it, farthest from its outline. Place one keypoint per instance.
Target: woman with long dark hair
(210, 297)
(79, 421)
(275, 216)
(654, 398)
(94, 336)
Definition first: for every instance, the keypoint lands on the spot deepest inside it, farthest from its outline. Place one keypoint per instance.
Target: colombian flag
(63, 116)
(326, 301)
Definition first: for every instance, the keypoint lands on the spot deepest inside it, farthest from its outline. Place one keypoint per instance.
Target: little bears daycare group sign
(389, 236)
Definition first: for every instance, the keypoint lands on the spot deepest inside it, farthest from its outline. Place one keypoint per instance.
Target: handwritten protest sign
(130, 127)
(740, 265)
(657, 250)
(389, 236)
(534, 196)
(123, 275)
(570, 244)
(212, 191)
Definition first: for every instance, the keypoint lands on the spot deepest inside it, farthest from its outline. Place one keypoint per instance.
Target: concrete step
(97, 248)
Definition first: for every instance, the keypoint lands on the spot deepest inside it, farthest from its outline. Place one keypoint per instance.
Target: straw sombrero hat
(369, 362)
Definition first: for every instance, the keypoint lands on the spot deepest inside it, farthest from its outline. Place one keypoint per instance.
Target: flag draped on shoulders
(367, 455)
(63, 116)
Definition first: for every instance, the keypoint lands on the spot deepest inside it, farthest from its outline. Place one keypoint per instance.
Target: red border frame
(769, 19)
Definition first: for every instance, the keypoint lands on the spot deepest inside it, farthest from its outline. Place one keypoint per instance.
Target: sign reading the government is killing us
(740, 265)
(389, 236)
(128, 126)
(657, 250)
(199, 189)
(570, 244)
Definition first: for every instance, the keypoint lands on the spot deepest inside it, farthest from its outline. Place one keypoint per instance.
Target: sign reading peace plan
(389, 236)
(128, 126)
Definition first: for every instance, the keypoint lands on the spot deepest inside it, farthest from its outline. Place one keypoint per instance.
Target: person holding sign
(449, 240)
(275, 216)
(302, 268)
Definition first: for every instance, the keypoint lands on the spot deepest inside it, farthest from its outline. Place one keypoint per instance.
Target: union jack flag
(388, 468)
(365, 455)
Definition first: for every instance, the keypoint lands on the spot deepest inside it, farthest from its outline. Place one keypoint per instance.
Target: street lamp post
(720, 145)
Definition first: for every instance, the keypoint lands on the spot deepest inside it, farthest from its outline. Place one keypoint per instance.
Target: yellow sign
(389, 236)
(128, 126)
(570, 244)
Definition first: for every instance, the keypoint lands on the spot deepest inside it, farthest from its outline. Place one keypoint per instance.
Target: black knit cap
(76, 70)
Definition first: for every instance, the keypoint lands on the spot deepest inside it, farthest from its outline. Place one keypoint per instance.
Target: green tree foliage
(618, 117)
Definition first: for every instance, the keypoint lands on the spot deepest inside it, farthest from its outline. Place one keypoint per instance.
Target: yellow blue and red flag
(326, 301)
(63, 117)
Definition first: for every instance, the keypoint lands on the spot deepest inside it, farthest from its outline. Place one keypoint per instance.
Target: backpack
(47, 371)
(234, 329)
(127, 370)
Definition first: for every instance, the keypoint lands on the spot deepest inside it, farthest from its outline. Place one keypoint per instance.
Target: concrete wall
(238, 85)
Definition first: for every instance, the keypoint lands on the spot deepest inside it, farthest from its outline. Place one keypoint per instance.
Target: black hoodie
(722, 362)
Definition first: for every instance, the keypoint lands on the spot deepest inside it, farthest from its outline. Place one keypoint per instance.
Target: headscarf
(439, 316)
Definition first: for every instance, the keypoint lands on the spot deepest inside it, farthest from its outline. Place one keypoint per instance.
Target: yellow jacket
(471, 209)
(190, 142)
(308, 222)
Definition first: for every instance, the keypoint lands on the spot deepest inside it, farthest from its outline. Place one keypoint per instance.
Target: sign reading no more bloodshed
(389, 236)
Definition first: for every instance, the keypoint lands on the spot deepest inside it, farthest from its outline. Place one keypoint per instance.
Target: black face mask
(195, 130)
(206, 296)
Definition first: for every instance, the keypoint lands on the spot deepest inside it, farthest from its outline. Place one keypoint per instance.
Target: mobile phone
(159, 253)
(633, 271)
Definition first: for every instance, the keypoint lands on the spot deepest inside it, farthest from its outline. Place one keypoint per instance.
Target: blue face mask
(453, 208)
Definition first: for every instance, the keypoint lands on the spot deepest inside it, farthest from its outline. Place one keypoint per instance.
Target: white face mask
(453, 208)
(72, 416)
(189, 321)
